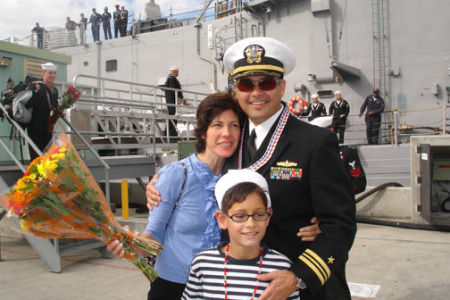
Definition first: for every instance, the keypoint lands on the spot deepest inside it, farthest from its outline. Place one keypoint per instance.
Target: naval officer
(302, 167)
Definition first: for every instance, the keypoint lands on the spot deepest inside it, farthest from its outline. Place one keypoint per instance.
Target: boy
(228, 271)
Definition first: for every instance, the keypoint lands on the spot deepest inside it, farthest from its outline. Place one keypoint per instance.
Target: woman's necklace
(225, 284)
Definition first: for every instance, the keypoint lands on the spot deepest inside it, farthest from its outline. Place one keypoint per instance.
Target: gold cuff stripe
(318, 268)
(320, 261)
(258, 67)
(312, 267)
(316, 264)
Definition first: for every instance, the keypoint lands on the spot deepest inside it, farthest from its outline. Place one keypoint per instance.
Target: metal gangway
(118, 129)
(118, 115)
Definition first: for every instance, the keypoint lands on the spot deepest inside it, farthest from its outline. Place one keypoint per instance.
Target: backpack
(24, 92)
(20, 112)
(7, 98)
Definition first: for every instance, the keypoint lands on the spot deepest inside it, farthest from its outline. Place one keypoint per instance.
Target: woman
(187, 225)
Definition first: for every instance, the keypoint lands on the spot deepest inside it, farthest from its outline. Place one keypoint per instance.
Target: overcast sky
(19, 16)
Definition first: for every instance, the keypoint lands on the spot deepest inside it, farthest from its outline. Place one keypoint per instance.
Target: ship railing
(57, 37)
(399, 125)
(132, 110)
(404, 124)
(219, 10)
(53, 38)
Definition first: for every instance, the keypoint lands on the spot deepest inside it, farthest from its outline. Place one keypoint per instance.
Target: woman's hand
(153, 195)
(116, 247)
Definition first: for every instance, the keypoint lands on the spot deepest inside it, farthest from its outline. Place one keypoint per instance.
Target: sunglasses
(265, 84)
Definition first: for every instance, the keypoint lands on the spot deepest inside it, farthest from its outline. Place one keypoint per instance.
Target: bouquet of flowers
(59, 198)
(68, 99)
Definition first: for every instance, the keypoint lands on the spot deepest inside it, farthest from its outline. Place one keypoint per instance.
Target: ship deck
(385, 263)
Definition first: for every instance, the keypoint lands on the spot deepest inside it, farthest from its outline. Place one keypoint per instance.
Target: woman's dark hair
(239, 192)
(208, 109)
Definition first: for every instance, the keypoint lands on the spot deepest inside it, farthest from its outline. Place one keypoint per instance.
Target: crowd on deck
(96, 20)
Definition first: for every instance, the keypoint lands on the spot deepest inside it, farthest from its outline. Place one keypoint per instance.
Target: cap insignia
(254, 54)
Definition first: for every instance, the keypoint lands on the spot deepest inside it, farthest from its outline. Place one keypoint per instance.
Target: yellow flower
(23, 225)
(30, 178)
(41, 170)
(33, 177)
(58, 156)
(46, 166)
(21, 184)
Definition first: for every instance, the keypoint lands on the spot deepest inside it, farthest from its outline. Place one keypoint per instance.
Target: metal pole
(444, 121)
(153, 134)
(99, 63)
(125, 214)
(2, 214)
(395, 127)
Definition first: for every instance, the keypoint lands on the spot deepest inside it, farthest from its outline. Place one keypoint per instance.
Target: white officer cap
(337, 92)
(322, 121)
(48, 67)
(174, 68)
(259, 56)
(234, 177)
(314, 96)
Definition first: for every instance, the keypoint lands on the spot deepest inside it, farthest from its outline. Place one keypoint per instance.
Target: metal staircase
(123, 121)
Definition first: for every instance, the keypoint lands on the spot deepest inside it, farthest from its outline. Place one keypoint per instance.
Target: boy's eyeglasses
(265, 84)
(241, 218)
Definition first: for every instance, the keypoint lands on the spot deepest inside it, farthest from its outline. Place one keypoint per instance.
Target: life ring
(302, 105)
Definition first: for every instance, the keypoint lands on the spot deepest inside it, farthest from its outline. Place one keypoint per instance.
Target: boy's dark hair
(239, 192)
(212, 106)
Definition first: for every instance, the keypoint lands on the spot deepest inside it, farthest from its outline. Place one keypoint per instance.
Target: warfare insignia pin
(254, 54)
(331, 260)
(286, 164)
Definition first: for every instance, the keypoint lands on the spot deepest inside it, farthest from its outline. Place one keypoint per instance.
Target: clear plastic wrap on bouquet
(59, 198)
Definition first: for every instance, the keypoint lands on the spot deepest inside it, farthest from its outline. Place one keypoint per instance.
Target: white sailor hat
(322, 121)
(259, 56)
(48, 67)
(314, 96)
(337, 93)
(234, 177)
(174, 68)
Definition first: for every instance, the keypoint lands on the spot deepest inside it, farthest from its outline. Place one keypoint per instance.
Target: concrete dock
(385, 263)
